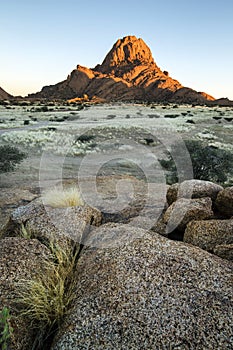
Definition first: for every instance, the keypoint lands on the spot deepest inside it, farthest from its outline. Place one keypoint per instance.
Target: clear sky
(42, 41)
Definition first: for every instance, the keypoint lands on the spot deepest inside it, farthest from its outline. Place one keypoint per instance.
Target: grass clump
(5, 329)
(45, 299)
(63, 198)
(25, 233)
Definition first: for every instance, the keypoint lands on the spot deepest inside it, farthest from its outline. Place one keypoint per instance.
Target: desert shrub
(5, 328)
(9, 157)
(209, 163)
(63, 198)
(42, 109)
(45, 299)
(85, 138)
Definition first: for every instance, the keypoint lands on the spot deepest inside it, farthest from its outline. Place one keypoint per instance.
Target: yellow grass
(63, 198)
(46, 298)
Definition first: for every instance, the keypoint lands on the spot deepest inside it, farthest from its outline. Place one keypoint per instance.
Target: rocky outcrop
(4, 95)
(128, 72)
(150, 293)
(199, 213)
(223, 102)
(133, 288)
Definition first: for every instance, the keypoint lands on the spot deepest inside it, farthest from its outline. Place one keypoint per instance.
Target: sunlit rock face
(128, 72)
(126, 51)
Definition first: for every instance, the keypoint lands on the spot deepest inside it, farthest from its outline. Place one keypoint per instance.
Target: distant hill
(128, 73)
(4, 95)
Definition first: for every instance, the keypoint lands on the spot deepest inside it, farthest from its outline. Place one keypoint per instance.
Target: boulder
(193, 189)
(224, 201)
(182, 211)
(113, 235)
(148, 293)
(19, 259)
(48, 224)
(209, 234)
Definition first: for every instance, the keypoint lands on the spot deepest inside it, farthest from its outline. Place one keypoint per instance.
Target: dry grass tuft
(25, 233)
(63, 198)
(45, 299)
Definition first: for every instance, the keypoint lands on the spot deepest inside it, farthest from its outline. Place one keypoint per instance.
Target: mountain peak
(128, 73)
(127, 51)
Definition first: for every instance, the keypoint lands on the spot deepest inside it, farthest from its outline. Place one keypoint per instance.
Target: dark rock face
(4, 95)
(128, 72)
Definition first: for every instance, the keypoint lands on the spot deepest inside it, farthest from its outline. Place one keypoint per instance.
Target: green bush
(209, 163)
(9, 157)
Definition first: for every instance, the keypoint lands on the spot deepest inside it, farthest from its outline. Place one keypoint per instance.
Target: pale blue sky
(43, 41)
